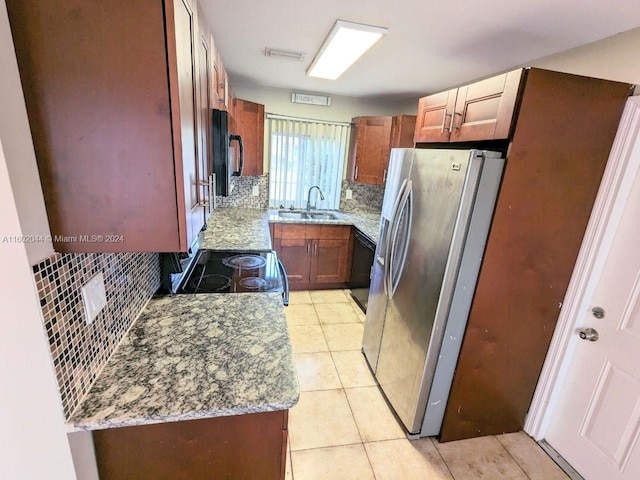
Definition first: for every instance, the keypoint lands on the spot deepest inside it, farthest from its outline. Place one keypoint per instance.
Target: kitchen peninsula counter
(196, 356)
(232, 228)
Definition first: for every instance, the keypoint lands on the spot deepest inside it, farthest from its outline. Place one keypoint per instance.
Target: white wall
(342, 109)
(612, 58)
(33, 441)
(18, 146)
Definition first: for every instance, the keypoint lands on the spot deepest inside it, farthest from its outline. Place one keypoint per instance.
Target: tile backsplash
(79, 351)
(365, 198)
(242, 194)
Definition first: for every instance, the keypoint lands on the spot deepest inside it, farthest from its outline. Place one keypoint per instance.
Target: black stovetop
(216, 271)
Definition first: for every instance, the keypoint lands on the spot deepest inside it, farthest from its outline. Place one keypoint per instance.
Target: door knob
(589, 334)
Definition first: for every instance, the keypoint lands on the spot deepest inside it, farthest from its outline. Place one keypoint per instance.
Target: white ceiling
(430, 46)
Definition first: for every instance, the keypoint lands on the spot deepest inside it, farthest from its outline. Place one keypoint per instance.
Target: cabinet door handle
(444, 119)
(453, 121)
(212, 190)
(356, 175)
(308, 248)
(315, 249)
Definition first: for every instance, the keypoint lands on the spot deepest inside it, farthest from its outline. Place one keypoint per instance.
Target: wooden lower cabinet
(240, 447)
(314, 256)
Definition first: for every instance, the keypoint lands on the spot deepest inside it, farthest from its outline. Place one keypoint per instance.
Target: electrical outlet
(94, 297)
(348, 194)
(255, 191)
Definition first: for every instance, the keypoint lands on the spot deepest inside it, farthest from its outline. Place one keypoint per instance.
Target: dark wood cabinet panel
(113, 112)
(184, 78)
(241, 447)
(295, 254)
(433, 122)
(249, 117)
(372, 154)
(483, 110)
(330, 261)
(553, 171)
(315, 256)
(402, 129)
(203, 61)
(371, 140)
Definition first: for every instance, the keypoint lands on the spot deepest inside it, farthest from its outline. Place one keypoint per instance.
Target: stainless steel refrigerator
(436, 214)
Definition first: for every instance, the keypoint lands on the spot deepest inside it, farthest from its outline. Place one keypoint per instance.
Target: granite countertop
(367, 222)
(196, 356)
(231, 228)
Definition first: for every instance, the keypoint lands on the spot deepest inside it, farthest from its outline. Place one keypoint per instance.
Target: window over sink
(304, 153)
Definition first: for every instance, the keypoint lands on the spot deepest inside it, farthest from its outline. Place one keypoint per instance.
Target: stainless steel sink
(322, 216)
(292, 214)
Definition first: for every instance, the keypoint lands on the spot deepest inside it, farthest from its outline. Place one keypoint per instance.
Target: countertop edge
(194, 415)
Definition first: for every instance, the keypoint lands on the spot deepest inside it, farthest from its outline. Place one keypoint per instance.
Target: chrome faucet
(309, 197)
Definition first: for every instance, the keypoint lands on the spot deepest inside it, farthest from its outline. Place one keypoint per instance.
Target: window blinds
(306, 153)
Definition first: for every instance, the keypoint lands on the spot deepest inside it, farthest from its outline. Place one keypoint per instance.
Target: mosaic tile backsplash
(79, 351)
(242, 195)
(365, 198)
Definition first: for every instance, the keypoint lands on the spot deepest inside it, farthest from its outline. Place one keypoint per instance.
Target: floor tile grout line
(435, 445)
(514, 458)
(328, 446)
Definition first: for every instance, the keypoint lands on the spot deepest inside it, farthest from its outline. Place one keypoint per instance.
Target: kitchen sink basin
(322, 216)
(304, 215)
(292, 215)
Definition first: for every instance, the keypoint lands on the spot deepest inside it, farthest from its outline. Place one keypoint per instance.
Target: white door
(596, 423)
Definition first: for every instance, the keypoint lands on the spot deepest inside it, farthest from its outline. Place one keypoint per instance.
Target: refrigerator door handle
(401, 200)
(394, 278)
(389, 237)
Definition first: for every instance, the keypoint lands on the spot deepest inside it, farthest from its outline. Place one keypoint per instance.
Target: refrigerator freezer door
(438, 178)
(399, 169)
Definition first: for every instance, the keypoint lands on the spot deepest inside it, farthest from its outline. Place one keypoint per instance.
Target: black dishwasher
(363, 253)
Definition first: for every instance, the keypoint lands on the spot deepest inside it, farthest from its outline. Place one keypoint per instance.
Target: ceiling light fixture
(272, 52)
(345, 44)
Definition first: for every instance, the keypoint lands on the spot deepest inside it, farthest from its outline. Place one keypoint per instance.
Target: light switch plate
(255, 191)
(94, 297)
(348, 194)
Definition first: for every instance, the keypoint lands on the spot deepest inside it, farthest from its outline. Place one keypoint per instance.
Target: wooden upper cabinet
(372, 155)
(480, 111)
(402, 128)
(249, 118)
(223, 85)
(434, 117)
(485, 110)
(115, 120)
(203, 83)
(183, 80)
(371, 140)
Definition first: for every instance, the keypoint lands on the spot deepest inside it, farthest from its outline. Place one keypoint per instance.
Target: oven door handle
(285, 281)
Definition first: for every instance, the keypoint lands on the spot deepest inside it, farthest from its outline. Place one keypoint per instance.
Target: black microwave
(223, 158)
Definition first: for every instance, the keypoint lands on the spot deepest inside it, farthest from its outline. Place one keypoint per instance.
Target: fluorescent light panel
(345, 44)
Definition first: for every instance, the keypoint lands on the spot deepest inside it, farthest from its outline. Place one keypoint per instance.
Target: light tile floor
(342, 428)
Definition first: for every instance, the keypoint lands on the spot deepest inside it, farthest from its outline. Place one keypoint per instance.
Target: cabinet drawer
(339, 232)
(291, 231)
